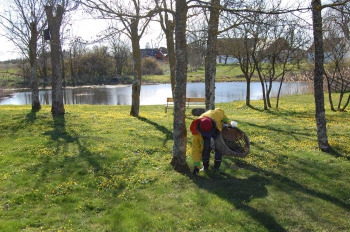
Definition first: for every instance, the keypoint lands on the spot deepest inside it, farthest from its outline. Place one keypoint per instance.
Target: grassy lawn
(98, 169)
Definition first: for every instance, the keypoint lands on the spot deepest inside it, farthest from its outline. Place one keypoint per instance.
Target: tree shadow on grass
(298, 136)
(30, 118)
(290, 185)
(163, 129)
(183, 169)
(239, 192)
(256, 108)
(63, 138)
(336, 154)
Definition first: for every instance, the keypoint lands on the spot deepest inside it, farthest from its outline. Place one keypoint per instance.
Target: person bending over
(203, 129)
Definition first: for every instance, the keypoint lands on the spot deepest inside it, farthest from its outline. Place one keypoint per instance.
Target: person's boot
(217, 165)
(195, 171)
(205, 165)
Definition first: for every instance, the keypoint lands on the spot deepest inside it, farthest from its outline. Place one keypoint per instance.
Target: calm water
(156, 94)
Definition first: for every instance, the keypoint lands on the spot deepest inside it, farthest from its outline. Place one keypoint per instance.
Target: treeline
(99, 65)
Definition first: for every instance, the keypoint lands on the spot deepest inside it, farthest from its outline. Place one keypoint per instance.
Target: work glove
(226, 125)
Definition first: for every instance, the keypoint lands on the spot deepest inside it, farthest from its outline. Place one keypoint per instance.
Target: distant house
(157, 53)
(230, 48)
(333, 49)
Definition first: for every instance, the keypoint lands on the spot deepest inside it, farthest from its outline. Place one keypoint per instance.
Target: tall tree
(258, 57)
(210, 59)
(76, 51)
(121, 53)
(168, 26)
(24, 22)
(180, 130)
(54, 14)
(318, 76)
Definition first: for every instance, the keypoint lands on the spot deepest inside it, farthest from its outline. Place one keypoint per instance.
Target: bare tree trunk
(180, 131)
(54, 23)
(63, 67)
(44, 64)
(279, 92)
(263, 92)
(346, 104)
(33, 44)
(247, 97)
(171, 53)
(168, 27)
(318, 77)
(210, 61)
(330, 93)
(136, 86)
(261, 81)
(268, 92)
(72, 71)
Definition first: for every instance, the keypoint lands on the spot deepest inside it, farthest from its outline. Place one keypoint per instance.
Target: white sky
(88, 29)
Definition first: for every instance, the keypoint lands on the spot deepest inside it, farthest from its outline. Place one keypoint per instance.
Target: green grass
(10, 78)
(98, 169)
(224, 73)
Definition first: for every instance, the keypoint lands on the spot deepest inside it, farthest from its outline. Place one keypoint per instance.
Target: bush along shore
(96, 168)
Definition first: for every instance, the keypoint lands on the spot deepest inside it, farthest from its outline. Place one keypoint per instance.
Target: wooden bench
(190, 102)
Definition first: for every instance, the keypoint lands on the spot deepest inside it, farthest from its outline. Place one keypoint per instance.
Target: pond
(156, 94)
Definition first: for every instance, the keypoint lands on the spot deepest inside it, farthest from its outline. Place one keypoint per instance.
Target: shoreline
(9, 92)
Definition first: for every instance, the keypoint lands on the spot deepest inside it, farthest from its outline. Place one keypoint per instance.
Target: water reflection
(156, 94)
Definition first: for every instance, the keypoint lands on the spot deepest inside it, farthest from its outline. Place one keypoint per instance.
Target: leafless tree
(24, 22)
(55, 11)
(296, 39)
(279, 51)
(210, 58)
(238, 43)
(54, 14)
(76, 51)
(121, 52)
(337, 55)
(260, 43)
(134, 17)
(167, 22)
(318, 76)
(196, 44)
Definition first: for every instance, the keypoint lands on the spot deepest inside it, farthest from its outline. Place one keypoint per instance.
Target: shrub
(150, 66)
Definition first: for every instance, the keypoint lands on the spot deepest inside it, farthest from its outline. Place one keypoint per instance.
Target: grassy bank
(224, 73)
(98, 169)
